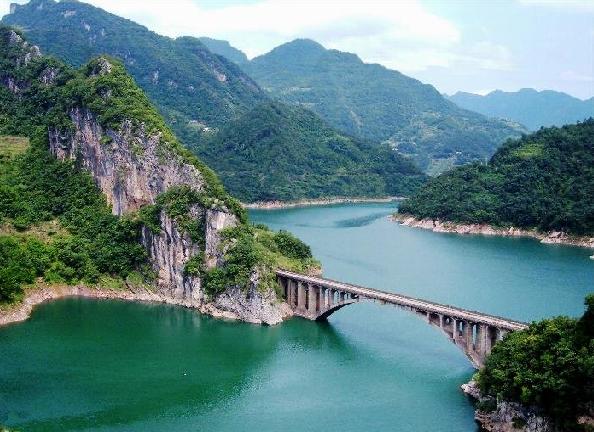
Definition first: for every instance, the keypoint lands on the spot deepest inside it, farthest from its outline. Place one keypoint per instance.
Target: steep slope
(181, 76)
(99, 122)
(201, 93)
(278, 152)
(225, 49)
(370, 101)
(543, 181)
(532, 108)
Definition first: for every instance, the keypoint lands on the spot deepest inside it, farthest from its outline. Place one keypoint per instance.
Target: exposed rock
(435, 225)
(170, 250)
(507, 416)
(132, 168)
(255, 307)
(48, 76)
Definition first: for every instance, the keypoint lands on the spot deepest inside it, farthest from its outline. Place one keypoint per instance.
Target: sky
(455, 45)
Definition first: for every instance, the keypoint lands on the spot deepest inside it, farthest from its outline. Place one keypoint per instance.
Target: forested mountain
(265, 159)
(180, 75)
(532, 108)
(204, 96)
(544, 181)
(223, 48)
(370, 101)
(96, 189)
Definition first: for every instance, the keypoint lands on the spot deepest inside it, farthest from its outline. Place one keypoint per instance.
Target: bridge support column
(455, 330)
(330, 298)
(300, 296)
(468, 336)
(289, 295)
(311, 302)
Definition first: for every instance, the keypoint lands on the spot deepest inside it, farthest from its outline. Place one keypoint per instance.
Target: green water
(108, 365)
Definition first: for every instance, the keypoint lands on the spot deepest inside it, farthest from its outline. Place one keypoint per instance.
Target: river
(115, 366)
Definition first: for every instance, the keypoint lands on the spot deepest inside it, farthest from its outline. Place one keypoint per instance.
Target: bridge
(475, 333)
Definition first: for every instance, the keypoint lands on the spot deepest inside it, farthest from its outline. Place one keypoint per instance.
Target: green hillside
(181, 76)
(278, 152)
(544, 181)
(372, 102)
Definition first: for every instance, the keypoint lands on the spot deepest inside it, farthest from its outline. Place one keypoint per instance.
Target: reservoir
(88, 365)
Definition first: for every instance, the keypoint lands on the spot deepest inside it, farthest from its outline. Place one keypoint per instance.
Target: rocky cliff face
(132, 168)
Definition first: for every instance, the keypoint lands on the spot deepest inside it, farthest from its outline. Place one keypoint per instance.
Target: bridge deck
(411, 302)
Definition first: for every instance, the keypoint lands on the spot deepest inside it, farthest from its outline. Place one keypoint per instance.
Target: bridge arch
(475, 333)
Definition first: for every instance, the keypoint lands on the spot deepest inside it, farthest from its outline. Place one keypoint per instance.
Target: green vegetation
(248, 248)
(549, 366)
(182, 77)
(11, 146)
(215, 109)
(372, 102)
(86, 243)
(544, 181)
(532, 108)
(279, 152)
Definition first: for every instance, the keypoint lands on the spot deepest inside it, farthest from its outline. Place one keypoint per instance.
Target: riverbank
(502, 416)
(553, 237)
(274, 205)
(42, 293)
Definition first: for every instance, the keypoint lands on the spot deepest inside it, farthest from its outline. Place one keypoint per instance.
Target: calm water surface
(108, 365)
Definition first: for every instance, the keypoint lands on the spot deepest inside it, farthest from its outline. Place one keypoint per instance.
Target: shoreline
(435, 225)
(43, 293)
(275, 205)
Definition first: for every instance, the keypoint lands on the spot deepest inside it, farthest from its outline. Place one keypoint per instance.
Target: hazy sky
(474, 46)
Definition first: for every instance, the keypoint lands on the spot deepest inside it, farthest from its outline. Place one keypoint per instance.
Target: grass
(11, 146)
(43, 231)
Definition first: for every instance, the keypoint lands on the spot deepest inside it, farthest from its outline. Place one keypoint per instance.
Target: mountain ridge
(533, 108)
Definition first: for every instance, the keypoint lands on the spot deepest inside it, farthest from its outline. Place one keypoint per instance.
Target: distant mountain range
(532, 108)
(372, 102)
(204, 96)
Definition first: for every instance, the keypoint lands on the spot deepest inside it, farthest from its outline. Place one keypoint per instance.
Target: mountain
(376, 103)
(224, 48)
(181, 76)
(265, 159)
(532, 108)
(543, 181)
(96, 190)
(203, 96)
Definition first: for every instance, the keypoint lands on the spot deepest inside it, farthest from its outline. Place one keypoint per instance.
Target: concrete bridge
(474, 333)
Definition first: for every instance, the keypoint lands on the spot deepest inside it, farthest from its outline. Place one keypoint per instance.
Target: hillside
(224, 48)
(204, 96)
(372, 102)
(279, 152)
(544, 181)
(529, 107)
(96, 190)
(182, 77)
